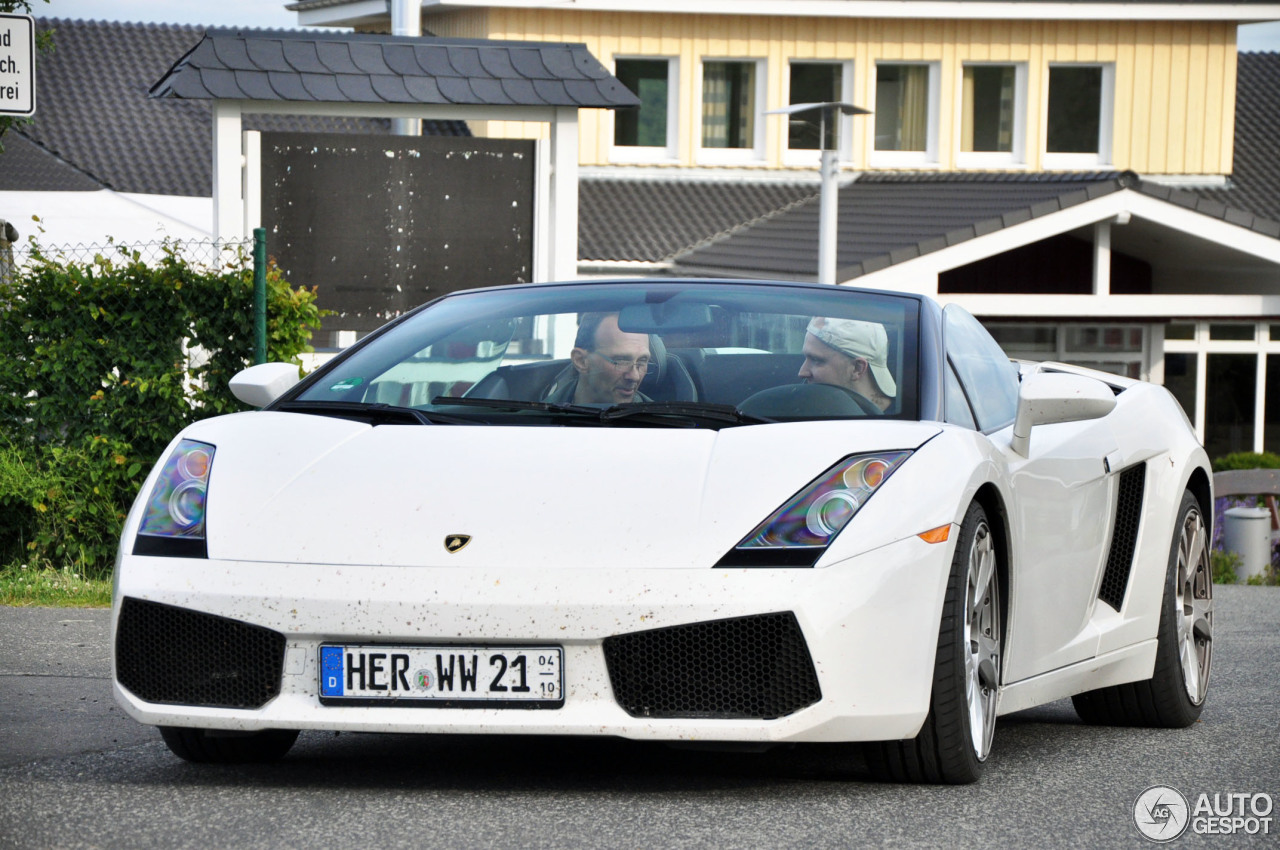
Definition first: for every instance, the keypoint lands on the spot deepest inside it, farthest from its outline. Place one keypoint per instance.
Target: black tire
(1170, 699)
(206, 746)
(955, 740)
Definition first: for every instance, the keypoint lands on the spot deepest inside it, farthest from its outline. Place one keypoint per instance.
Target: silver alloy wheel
(982, 631)
(1193, 598)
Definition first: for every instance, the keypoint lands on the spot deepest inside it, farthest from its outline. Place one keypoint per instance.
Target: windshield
(694, 352)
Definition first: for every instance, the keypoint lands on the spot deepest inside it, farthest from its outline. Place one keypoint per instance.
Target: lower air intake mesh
(172, 655)
(752, 667)
(1124, 536)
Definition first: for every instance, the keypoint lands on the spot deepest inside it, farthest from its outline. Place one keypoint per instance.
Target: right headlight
(173, 521)
(796, 534)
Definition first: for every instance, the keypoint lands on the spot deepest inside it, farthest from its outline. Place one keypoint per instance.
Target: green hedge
(1246, 460)
(96, 377)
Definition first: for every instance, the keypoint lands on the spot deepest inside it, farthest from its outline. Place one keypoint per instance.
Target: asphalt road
(76, 772)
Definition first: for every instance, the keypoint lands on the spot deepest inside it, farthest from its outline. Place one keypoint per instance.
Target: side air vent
(753, 667)
(172, 655)
(1124, 536)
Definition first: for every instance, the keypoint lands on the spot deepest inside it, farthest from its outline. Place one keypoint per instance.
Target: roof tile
(336, 56)
(302, 56)
(434, 60)
(267, 54)
(424, 90)
(221, 83)
(400, 59)
(356, 88)
(232, 55)
(528, 63)
(466, 60)
(489, 91)
(497, 62)
(390, 88)
(561, 64)
(368, 58)
(288, 86)
(456, 90)
(553, 93)
(255, 85)
(323, 87)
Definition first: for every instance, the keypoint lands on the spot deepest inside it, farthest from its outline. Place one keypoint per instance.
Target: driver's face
(824, 365)
(600, 380)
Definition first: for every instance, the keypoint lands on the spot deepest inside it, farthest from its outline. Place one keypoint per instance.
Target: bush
(1246, 460)
(101, 364)
(1224, 565)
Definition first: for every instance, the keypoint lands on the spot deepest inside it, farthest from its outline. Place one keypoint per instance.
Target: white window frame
(626, 154)
(996, 159)
(1202, 346)
(844, 135)
(754, 155)
(1106, 123)
(913, 159)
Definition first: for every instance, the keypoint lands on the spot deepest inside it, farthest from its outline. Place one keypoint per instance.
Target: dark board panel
(382, 224)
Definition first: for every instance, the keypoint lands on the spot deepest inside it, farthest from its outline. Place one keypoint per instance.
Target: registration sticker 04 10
(442, 676)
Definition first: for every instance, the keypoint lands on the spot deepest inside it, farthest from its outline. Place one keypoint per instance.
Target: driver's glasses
(626, 364)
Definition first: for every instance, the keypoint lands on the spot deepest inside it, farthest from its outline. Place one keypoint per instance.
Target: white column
(1260, 396)
(406, 19)
(1102, 258)
(252, 142)
(564, 194)
(228, 209)
(828, 234)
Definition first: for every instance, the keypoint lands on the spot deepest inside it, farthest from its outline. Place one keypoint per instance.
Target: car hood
(297, 488)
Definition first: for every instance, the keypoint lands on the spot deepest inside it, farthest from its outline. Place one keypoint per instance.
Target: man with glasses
(606, 365)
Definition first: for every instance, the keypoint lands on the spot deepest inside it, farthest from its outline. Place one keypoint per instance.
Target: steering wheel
(808, 400)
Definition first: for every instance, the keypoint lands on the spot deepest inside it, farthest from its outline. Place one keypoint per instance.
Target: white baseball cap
(867, 340)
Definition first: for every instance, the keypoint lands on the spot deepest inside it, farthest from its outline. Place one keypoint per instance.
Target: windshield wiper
(518, 404)
(669, 413)
(378, 413)
(694, 413)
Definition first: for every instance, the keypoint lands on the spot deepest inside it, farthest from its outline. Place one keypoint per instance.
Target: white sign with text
(17, 65)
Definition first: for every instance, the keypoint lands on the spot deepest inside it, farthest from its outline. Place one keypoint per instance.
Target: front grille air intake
(1124, 536)
(745, 667)
(172, 655)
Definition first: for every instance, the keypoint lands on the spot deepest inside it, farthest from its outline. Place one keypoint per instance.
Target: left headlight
(173, 520)
(796, 534)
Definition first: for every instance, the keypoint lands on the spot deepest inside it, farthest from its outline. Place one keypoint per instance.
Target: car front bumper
(870, 624)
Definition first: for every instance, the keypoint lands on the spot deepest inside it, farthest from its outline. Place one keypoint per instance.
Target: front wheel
(956, 737)
(1174, 695)
(215, 747)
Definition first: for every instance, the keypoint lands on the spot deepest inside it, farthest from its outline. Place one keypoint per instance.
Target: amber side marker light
(936, 535)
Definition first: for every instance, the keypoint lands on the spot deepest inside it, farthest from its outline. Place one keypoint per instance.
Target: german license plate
(442, 676)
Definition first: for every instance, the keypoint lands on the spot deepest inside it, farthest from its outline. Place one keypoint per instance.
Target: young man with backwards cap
(852, 354)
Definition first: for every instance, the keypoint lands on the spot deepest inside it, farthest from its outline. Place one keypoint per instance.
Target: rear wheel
(956, 737)
(1174, 695)
(211, 746)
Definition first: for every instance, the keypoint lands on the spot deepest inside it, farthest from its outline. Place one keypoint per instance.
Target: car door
(1059, 509)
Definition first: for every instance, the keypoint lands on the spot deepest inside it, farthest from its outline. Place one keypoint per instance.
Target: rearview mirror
(1047, 398)
(260, 385)
(677, 317)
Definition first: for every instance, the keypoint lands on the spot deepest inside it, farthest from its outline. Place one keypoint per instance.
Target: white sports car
(687, 511)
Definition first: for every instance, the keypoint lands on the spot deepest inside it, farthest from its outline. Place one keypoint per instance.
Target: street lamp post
(828, 173)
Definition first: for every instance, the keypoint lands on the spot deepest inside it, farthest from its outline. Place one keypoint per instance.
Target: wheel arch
(1201, 487)
(993, 503)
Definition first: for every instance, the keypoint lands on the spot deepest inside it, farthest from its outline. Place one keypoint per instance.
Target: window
(817, 82)
(906, 114)
(1080, 107)
(989, 380)
(991, 124)
(731, 98)
(648, 132)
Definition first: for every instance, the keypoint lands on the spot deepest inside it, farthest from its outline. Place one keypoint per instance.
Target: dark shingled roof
(885, 219)
(652, 220)
(94, 114)
(375, 68)
(1255, 178)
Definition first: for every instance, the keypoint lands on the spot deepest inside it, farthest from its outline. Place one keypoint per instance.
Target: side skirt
(1131, 664)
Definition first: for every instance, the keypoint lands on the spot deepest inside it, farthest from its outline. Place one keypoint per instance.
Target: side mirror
(1047, 398)
(260, 385)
